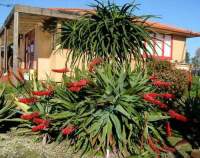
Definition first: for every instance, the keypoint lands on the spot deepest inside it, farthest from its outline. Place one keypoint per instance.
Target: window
(162, 46)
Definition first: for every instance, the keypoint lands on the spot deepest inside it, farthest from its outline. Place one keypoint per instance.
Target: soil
(12, 146)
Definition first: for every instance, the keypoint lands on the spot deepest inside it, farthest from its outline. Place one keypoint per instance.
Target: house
(24, 43)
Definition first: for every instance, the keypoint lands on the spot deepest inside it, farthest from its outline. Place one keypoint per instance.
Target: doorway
(29, 50)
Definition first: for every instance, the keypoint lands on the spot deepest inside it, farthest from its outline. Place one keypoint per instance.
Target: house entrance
(29, 49)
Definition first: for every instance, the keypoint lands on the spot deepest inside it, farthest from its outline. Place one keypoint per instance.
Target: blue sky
(180, 13)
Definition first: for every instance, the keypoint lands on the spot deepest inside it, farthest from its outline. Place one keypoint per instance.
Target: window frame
(154, 40)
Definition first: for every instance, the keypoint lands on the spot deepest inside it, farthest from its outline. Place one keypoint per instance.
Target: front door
(30, 49)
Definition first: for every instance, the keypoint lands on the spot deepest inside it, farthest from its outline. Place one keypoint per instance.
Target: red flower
(68, 130)
(63, 70)
(168, 129)
(40, 121)
(152, 145)
(27, 100)
(93, 63)
(75, 89)
(177, 116)
(43, 93)
(160, 104)
(167, 96)
(153, 77)
(78, 85)
(159, 83)
(151, 97)
(35, 114)
(30, 116)
(39, 128)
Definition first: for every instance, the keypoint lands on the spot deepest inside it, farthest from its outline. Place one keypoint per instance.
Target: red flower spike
(159, 83)
(151, 97)
(35, 114)
(177, 116)
(167, 96)
(68, 130)
(27, 100)
(80, 83)
(168, 129)
(153, 78)
(38, 128)
(93, 63)
(152, 145)
(160, 104)
(26, 117)
(30, 116)
(63, 70)
(43, 93)
(40, 121)
(75, 89)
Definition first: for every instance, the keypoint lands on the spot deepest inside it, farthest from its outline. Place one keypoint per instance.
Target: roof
(172, 29)
(72, 13)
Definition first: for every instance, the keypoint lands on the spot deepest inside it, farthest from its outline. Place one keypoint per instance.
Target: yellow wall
(50, 59)
(179, 49)
(47, 57)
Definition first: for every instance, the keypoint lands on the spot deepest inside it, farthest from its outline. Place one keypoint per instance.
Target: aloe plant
(109, 113)
(7, 110)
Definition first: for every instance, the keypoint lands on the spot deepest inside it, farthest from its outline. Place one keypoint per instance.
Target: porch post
(15, 41)
(5, 49)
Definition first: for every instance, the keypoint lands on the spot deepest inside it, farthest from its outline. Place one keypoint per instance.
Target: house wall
(47, 57)
(178, 49)
(55, 59)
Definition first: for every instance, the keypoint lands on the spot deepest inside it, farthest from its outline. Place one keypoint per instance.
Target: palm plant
(109, 31)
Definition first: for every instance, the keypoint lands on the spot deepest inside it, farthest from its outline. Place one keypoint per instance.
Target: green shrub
(108, 113)
(164, 70)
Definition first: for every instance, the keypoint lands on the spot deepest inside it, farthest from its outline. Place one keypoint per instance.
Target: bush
(98, 111)
(164, 70)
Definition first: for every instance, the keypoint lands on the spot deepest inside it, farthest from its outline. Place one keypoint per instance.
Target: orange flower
(152, 145)
(63, 70)
(93, 63)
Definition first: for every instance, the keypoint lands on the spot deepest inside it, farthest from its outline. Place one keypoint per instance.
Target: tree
(187, 57)
(111, 32)
(196, 59)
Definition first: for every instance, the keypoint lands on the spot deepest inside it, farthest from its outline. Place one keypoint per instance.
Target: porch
(23, 42)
